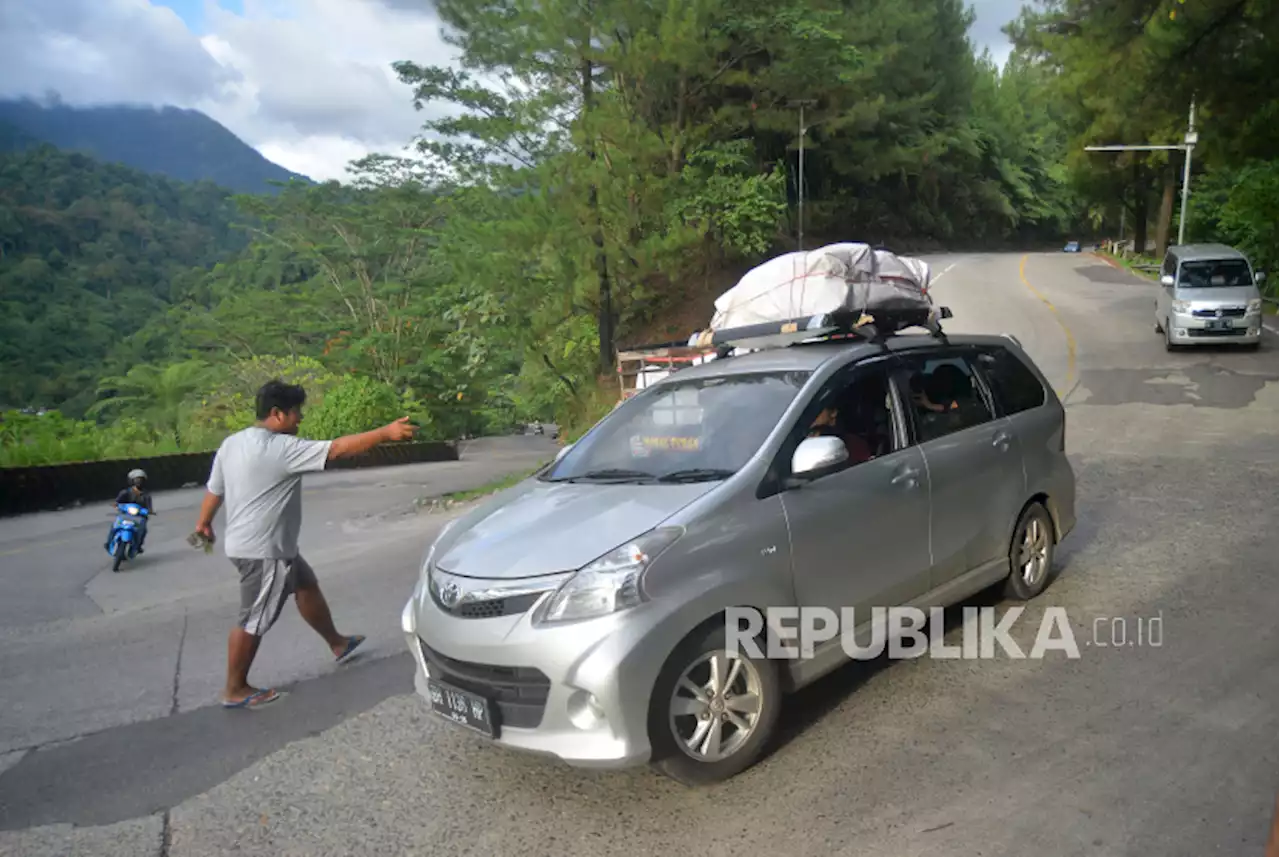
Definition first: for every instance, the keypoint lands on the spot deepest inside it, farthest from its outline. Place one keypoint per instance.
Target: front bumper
(1188, 329)
(540, 679)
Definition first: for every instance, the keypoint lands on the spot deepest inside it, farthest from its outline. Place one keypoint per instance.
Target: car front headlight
(611, 582)
(1182, 306)
(1255, 305)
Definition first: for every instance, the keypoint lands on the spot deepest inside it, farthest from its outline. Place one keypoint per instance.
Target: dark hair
(277, 394)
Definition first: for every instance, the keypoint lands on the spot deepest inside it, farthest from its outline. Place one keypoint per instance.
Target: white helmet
(137, 473)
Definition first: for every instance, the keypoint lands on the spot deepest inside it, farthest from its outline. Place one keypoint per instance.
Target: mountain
(91, 253)
(181, 144)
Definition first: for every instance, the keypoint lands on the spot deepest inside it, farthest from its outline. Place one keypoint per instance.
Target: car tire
(758, 677)
(1168, 339)
(1032, 542)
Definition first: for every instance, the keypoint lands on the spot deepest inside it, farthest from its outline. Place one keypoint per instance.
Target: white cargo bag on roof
(847, 276)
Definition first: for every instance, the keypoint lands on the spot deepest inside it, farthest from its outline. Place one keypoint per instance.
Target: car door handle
(1002, 440)
(906, 477)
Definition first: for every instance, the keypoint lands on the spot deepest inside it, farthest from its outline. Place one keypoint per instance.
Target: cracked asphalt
(1150, 742)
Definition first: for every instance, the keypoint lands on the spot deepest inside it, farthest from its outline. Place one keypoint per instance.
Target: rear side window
(1015, 388)
(944, 395)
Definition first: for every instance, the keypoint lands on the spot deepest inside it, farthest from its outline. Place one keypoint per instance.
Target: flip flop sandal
(255, 700)
(352, 644)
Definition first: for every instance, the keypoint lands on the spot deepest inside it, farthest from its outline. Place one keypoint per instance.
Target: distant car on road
(1208, 295)
(1072, 247)
(582, 613)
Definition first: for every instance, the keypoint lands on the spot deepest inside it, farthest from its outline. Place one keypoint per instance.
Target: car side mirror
(1259, 276)
(1166, 279)
(816, 456)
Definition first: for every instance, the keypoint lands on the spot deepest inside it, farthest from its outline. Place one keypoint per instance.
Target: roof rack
(639, 362)
(826, 327)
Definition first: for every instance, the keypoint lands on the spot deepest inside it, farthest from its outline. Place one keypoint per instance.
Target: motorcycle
(123, 543)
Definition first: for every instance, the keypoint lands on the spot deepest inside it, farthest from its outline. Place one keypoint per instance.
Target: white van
(1208, 295)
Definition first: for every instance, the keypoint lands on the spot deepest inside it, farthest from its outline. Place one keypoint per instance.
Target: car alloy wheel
(715, 706)
(1033, 553)
(714, 709)
(1030, 554)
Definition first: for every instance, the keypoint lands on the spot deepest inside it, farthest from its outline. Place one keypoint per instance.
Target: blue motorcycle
(123, 543)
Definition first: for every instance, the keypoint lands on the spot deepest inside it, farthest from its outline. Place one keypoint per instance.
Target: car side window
(857, 407)
(946, 396)
(1015, 387)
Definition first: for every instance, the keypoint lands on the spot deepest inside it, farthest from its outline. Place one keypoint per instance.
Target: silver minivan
(581, 614)
(1208, 296)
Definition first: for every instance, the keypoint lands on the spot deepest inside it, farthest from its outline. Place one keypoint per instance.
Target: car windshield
(1209, 274)
(683, 431)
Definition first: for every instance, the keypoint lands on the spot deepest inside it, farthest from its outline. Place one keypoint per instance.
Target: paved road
(1131, 749)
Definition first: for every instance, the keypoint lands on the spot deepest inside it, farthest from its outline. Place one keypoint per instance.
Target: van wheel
(1030, 554)
(1168, 339)
(713, 711)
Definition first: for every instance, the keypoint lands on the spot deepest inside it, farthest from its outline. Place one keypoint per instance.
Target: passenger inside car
(945, 400)
(859, 416)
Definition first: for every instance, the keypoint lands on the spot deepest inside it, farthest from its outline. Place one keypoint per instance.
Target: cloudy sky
(306, 82)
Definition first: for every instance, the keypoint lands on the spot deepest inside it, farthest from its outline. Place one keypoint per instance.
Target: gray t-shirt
(258, 473)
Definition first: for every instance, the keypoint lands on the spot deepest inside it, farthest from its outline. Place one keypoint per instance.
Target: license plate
(1220, 324)
(462, 707)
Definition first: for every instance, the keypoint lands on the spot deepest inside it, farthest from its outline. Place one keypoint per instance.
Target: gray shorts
(265, 585)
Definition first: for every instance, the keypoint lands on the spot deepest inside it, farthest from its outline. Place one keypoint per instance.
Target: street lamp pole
(801, 103)
(1190, 141)
(1187, 145)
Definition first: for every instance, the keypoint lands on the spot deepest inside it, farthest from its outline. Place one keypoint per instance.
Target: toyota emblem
(450, 593)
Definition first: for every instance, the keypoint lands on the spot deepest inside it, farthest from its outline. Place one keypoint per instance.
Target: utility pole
(1187, 145)
(801, 103)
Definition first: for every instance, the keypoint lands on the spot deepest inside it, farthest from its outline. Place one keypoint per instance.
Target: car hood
(544, 528)
(1234, 296)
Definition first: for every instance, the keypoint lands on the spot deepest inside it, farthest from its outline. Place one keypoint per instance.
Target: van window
(1214, 273)
(1014, 386)
(945, 396)
(705, 428)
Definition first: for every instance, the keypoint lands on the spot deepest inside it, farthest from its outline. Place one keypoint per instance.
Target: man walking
(258, 471)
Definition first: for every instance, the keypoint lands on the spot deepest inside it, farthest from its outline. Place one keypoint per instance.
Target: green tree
(161, 397)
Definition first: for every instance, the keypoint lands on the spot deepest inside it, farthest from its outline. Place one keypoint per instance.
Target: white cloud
(95, 51)
(307, 82)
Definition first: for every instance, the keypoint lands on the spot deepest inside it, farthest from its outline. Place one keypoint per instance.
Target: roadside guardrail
(57, 486)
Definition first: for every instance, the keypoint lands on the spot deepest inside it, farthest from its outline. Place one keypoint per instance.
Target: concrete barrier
(55, 486)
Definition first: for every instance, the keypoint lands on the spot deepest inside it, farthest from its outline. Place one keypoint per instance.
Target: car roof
(1198, 252)
(812, 356)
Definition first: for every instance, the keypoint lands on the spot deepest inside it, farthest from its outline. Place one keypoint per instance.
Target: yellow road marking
(1071, 340)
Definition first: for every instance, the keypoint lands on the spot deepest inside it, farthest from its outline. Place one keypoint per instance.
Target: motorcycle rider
(138, 495)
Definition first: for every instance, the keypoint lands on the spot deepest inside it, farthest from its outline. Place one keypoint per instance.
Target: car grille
(520, 693)
(1233, 312)
(1231, 331)
(491, 609)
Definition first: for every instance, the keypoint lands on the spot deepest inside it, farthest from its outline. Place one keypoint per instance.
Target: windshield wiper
(609, 473)
(696, 474)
